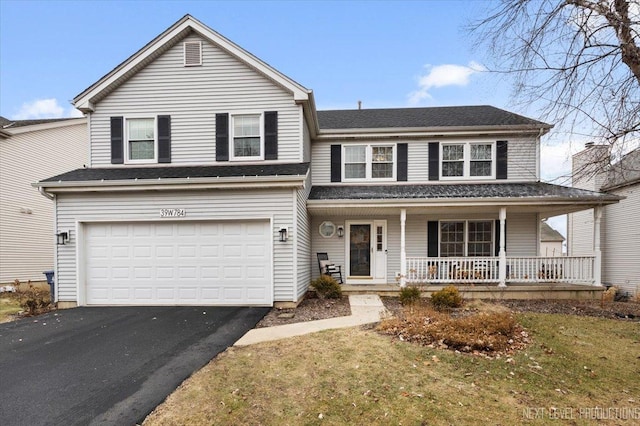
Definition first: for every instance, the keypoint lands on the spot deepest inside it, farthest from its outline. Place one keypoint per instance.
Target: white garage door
(178, 263)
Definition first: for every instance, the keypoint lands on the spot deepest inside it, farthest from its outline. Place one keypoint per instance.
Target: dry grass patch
(9, 307)
(356, 376)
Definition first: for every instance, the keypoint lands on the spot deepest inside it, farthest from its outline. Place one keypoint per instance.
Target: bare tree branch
(577, 60)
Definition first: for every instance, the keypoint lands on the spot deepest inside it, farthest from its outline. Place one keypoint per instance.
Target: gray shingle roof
(455, 190)
(5, 123)
(624, 172)
(547, 233)
(173, 172)
(457, 116)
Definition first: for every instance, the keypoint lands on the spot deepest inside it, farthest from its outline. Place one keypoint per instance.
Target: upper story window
(468, 160)
(247, 139)
(466, 238)
(141, 140)
(369, 162)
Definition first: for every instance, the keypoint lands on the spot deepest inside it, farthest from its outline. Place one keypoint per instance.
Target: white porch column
(502, 265)
(403, 252)
(597, 263)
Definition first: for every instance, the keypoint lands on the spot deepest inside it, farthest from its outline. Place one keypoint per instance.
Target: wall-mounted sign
(173, 212)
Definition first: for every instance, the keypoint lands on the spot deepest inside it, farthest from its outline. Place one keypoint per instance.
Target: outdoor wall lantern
(283, 235)
(340, 231)
(62, 238)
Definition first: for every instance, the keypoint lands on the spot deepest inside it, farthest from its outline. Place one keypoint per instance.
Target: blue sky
(386, 54)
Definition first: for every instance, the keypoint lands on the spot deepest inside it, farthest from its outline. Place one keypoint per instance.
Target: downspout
(46, 194)
(538, 152)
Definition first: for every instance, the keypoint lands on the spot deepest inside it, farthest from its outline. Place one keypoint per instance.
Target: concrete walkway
(365, 309)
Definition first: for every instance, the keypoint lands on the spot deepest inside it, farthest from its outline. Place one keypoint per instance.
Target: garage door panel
(178, 263)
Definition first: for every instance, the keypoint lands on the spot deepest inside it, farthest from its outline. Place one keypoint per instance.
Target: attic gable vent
(192, 53)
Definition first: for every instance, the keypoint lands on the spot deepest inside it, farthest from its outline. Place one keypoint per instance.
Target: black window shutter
(501, 160)
(222, 137)
(434, 160)
(497, 237)
(271, 135)
(402, 157)
(432, 238)
(164, 139)
(336, 163)
(117, 140)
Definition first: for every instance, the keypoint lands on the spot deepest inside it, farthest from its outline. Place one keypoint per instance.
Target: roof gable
(85, 101)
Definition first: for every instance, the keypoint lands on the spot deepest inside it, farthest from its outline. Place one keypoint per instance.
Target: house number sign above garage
(173, 212)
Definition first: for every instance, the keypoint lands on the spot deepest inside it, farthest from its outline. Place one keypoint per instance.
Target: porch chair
(328, 268)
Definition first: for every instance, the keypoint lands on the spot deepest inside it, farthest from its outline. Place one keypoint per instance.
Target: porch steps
(512, 291)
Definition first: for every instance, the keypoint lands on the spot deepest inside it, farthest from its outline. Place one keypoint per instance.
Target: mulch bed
(312, 309)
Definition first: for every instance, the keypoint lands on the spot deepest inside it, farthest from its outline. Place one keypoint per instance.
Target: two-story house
(212, 179)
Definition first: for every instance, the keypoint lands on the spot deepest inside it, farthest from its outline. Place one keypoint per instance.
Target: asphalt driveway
(108, 365)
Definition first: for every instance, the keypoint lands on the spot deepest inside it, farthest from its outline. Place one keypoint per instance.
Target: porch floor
(551, 291)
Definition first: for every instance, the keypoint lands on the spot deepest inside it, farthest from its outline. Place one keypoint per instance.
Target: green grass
(9, 306)
(355, 376)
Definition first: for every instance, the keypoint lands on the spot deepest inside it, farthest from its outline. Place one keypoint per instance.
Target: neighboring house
(620, 233)
(31, 150)
(550, 241)
(212, 179)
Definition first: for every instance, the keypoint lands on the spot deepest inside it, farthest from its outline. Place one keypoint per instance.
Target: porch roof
(541, 197)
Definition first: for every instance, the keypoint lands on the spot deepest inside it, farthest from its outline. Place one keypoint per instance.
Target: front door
(367, 252)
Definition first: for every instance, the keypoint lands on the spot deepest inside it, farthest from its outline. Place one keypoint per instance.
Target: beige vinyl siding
(522, 234)
(521, 159)
(303, 241)
(199, 205)
(580, 233)
(192, 96)
(27, 240)
(620, 242)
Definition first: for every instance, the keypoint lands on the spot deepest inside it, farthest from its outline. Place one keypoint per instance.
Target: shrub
(484, 331)
(32, 299)
(409, 295)
(327, 287)
(448, 297)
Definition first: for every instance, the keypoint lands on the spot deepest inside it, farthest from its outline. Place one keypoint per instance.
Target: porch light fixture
(283, 235)
(62, 238)
(340, 231)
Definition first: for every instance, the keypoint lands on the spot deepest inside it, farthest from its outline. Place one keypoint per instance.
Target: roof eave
(173, 183)
(501, 201)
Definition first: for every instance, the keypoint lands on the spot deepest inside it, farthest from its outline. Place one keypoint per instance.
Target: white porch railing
(574, 269)
(452, 270)
(435, 270)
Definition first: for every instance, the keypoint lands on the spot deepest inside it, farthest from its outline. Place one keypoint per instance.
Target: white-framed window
(247, 139)
(460, 238)
(468, 160)
(142, 143)
(364, 162)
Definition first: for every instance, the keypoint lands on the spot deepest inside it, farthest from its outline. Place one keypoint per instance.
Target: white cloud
(44, 108)
(443, 75)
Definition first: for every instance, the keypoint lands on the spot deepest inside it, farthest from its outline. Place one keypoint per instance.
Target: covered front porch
(482, 244)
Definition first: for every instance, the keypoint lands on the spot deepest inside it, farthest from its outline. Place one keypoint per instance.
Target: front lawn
(575, 368)
(9, 306)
